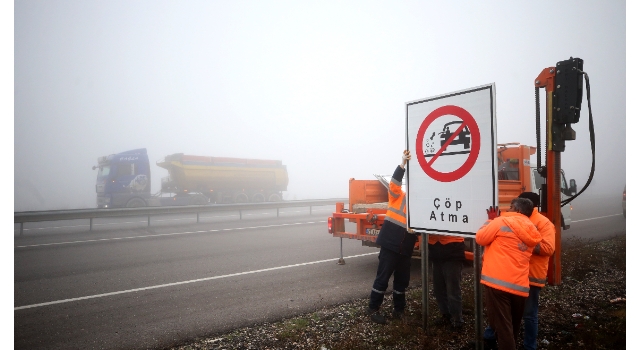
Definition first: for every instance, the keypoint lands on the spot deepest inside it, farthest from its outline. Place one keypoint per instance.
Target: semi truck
(367, 205)
(124, 178)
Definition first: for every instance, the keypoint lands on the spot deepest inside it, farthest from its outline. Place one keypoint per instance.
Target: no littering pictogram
(466, 133)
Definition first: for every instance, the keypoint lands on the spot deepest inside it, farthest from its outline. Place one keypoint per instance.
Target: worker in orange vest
(538, 266)
(446, 253)
(509, 241)
(396, 247)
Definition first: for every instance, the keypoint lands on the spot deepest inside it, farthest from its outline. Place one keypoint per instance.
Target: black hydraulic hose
(539, 155)
(593, 143)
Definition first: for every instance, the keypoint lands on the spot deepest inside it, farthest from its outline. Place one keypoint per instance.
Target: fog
(321, 86)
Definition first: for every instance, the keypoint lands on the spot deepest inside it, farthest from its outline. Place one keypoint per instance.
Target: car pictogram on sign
(462, 134)
(462, 139)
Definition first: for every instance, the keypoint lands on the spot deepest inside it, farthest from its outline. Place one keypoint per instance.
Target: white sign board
(451, 178)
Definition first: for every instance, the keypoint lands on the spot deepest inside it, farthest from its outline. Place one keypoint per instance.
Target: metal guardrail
(75, 214)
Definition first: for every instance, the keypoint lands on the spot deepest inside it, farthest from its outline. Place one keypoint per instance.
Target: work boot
(398, 315)
(444, 320)
(376, 316)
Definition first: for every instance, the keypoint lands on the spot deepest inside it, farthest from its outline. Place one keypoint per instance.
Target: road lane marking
(600, 217)
(166, 234)
(183, 282)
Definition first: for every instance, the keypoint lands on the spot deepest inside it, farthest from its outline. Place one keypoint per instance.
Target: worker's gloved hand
(406, 155)
(493, 212)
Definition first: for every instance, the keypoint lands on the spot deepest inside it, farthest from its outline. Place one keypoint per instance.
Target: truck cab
(566, 191)
(123, 179)
(517, 173)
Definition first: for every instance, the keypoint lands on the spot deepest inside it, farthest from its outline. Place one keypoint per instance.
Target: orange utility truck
(368, 198)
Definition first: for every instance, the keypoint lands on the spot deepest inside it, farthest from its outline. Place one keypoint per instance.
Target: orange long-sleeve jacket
(509, 240)
(539, 263)
(433, 239)
(393, 233)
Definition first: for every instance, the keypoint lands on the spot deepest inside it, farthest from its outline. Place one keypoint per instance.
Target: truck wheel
(136, 203)
(199, 200)
(226, 199)
(258, 198)
(274, 197)
(240, 198)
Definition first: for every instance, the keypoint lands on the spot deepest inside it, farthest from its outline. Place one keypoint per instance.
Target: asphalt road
(127, 286)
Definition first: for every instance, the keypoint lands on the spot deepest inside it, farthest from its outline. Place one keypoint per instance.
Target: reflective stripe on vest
(390, 219)
(538, 280)
(505, 229)
(505, 284)
(399, 212)
(397, 215)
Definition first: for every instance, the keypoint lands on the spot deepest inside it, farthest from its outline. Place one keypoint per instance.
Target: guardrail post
(90, 224)
(310, 210)
(278, 212)
(240, 211)
(21, 226)
(148, 220)
(198, 217)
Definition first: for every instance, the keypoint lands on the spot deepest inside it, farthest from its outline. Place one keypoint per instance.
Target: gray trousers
(447, 276)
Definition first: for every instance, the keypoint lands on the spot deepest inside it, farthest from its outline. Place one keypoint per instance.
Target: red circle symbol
(467, 121)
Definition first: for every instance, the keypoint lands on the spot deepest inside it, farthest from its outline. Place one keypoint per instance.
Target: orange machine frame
(546, 79)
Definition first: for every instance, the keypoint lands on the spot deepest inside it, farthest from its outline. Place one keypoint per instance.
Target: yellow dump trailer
(225, 180)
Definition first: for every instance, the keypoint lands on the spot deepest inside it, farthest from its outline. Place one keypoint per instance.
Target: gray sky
(321, 86)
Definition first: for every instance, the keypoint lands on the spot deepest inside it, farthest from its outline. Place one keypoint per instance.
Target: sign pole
(425, 280)
(477, 271)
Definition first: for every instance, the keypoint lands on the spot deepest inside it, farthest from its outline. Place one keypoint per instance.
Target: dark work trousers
(447, 275)
(398, 265)
(504, 311)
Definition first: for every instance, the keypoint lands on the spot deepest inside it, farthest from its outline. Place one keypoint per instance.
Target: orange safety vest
(393, 233)
(433, 239)
(509, 240)
(539, 263)
(397, 211)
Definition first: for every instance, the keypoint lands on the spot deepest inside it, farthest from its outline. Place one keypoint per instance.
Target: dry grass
(578, 314)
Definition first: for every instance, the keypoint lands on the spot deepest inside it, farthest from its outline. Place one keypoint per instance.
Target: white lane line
(166, 234)
(183, 282)
(600, 217)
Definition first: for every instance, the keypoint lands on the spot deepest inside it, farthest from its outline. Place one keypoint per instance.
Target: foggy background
(320, 86)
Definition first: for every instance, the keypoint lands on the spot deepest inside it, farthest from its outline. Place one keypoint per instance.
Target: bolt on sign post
(452, 176)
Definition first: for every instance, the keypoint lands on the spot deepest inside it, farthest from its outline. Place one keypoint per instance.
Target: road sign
(451, 179)
(466, 131)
